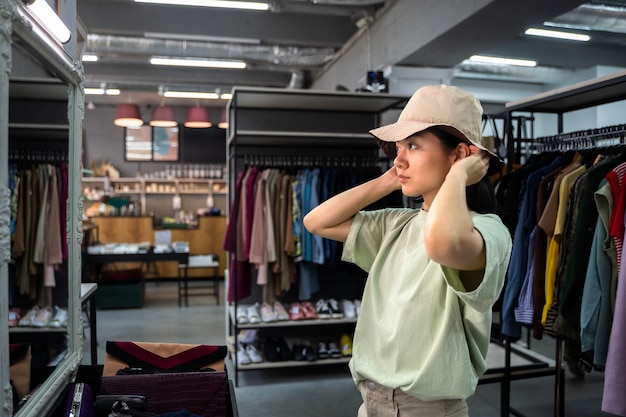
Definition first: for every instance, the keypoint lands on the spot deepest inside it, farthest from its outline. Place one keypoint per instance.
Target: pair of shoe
(248, 314)
(36, 317)
(273, 312)
(276, 349)
(302, 310)
(328, 309)
(248, 353)
(303, 351)
(328, 349)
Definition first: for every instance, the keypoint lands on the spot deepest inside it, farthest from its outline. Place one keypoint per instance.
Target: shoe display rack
(293, 129)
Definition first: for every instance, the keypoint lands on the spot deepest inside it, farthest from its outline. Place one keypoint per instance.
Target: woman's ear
(462, 150)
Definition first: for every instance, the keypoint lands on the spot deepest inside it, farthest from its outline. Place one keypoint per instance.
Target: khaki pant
(379, 401)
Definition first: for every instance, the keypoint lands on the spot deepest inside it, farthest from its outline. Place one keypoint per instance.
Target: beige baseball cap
(444, 106)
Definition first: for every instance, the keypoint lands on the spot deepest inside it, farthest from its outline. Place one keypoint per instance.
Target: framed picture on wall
(165, 143)
(138, 143)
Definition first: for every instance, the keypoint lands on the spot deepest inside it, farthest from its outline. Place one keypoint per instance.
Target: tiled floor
(317, 391)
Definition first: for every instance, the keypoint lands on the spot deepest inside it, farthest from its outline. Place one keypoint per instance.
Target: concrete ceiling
(301, 43)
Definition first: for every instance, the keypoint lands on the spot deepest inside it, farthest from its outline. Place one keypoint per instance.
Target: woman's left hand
(475, 165)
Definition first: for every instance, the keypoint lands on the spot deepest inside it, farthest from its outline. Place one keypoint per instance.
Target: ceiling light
(204, 63)
(163, 116)
(102, 91)
(94, 91)
(128, 116)
(49, 19)
(503, 61)
(89, 58)
(557, 34)
(212, 3)
(226, 96)
(198, 117)
(191, 94)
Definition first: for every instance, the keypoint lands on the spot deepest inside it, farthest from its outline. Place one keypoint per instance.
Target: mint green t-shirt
(418, 329)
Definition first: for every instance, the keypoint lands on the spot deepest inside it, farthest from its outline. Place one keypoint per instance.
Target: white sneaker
(253, 314)
(254, 354)
(59, 319)
(242, 315)
(42, 318)
(27, 319)
(242, 356)
(349, 310)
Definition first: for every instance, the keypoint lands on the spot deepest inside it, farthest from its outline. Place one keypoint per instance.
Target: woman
(421, 338)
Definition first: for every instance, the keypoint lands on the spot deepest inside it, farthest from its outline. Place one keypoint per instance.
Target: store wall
(103, 142)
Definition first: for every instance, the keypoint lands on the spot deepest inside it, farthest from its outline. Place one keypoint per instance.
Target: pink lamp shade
(163, 116)
(198, 117)
(223, 124)
(128, 116)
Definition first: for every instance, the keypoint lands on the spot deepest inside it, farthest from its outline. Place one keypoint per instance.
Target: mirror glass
(42, 170)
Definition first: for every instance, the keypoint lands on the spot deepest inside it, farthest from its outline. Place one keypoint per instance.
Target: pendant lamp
(223, 124)
(163, 116)
(128, 116)
(198, 117)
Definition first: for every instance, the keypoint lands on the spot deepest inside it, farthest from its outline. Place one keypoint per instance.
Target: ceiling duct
(279, 55)
(538, 75)
(597, 17)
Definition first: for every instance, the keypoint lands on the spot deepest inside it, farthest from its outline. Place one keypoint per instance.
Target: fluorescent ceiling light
(102, 91)
(213, 3)
(557, 34)
(202, 38)
(204, 63)
(94, 91)
(49, 19)
(226, 96)
(503, 61)
(89, 58)
(191, 94)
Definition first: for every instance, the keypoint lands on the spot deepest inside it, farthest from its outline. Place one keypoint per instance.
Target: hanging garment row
(38, 192)
(265, 233)
(566, 259)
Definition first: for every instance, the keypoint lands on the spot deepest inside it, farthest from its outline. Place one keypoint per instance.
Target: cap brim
(387, 136)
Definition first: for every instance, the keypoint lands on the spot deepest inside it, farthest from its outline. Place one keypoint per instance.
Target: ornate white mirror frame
(15, 22)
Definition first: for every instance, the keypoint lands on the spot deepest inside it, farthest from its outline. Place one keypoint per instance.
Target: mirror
(35, 69)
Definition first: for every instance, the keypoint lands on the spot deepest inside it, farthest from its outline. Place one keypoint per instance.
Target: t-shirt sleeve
(498, 250)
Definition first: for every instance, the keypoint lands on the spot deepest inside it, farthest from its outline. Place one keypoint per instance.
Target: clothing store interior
(157, 158)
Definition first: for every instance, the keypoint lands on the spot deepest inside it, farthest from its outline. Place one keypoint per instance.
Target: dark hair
(481, 196)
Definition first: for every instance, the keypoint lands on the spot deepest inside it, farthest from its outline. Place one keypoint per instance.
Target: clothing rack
(37, 155)
(583, 139)
(304, 161)
(586, 94)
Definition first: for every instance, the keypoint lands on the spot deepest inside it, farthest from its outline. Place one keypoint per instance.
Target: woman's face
(422, 163)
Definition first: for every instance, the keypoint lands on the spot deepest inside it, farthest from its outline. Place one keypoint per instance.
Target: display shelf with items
(273, 131)
(136, 190)
(270, 336)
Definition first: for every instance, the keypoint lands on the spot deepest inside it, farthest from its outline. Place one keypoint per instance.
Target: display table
(134, 286)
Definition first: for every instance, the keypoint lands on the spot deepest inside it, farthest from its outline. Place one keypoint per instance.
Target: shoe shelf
(289, 323)
(290, 364)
